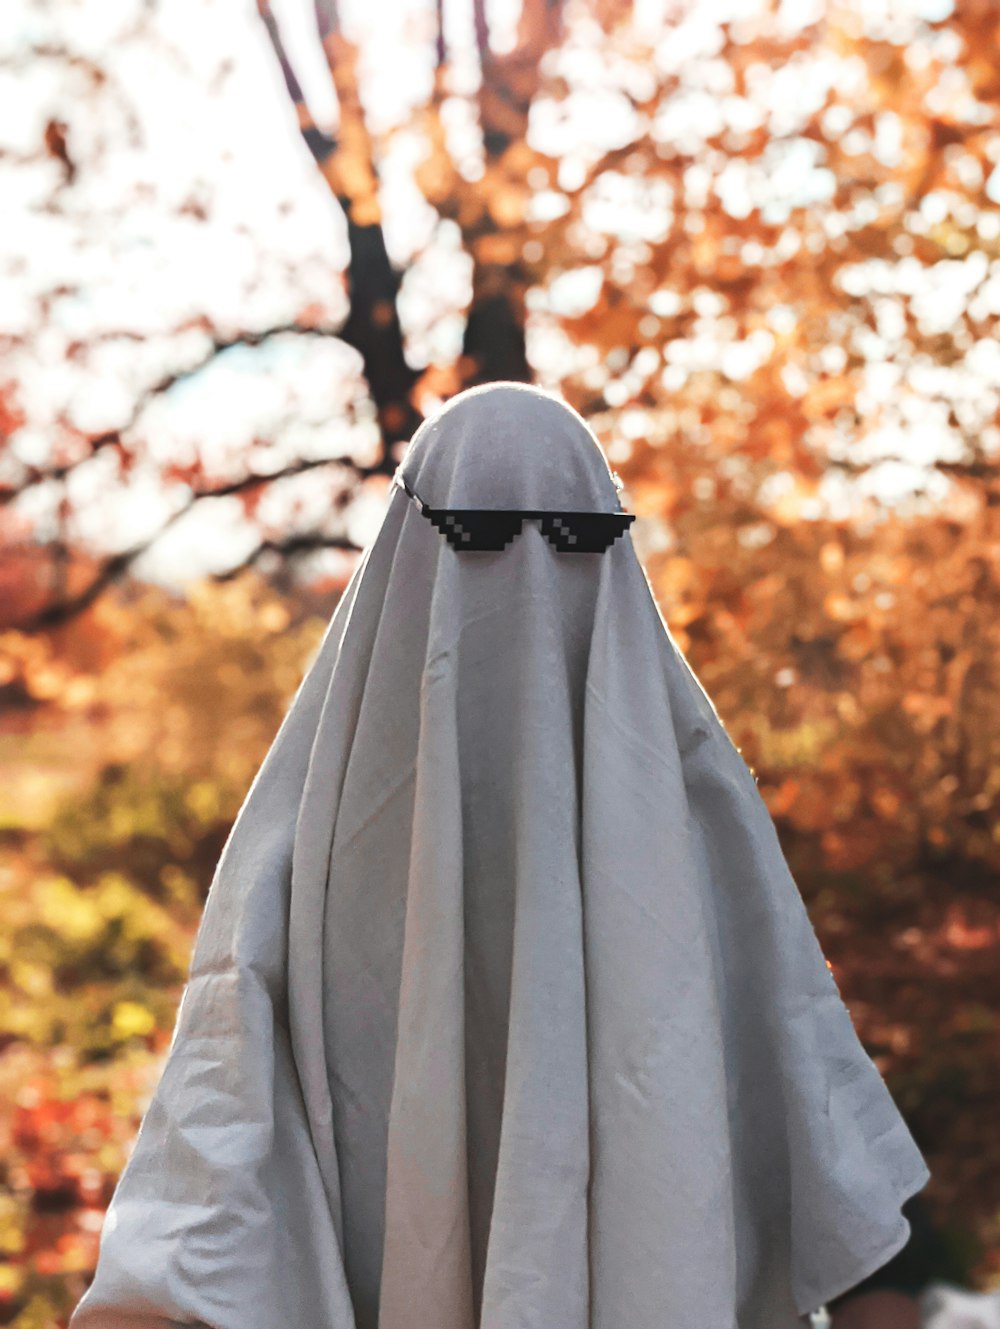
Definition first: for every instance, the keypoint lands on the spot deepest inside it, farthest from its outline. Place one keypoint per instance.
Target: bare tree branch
(327, 18)
(482, 30)
(347, 165)
(295, 545)
(319, 144)
(64, 608)
(440, 45)
(113, 437)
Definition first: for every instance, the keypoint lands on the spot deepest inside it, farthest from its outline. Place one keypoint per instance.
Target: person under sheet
(505, 1011)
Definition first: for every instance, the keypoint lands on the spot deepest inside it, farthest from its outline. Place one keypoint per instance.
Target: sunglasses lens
(584, 532)
(482, 530)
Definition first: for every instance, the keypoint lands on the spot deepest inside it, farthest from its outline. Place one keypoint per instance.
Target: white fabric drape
(505, 1011)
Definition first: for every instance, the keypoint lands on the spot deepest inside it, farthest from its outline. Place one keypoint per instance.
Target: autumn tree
(761, 253)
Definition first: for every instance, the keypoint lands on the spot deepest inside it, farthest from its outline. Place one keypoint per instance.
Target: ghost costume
(505, 1011)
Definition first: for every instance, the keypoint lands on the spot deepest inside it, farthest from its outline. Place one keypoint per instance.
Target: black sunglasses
(494, 528)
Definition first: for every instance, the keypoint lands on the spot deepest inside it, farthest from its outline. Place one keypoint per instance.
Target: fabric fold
(221, 1217)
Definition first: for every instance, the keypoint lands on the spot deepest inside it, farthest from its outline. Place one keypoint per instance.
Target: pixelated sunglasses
(494, 528)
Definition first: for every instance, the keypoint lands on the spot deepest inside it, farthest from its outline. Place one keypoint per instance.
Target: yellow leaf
(130, 1020)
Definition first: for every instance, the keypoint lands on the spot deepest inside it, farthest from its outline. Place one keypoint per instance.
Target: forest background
(246, 249)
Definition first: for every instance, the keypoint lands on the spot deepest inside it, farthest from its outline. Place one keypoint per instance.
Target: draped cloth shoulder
(505, 1011)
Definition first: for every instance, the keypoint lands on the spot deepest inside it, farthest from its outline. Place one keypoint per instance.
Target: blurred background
(244, 249)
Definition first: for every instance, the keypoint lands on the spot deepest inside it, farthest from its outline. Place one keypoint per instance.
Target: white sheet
(505, 1011)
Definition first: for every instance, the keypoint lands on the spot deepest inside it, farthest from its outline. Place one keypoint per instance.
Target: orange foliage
(782, 272)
